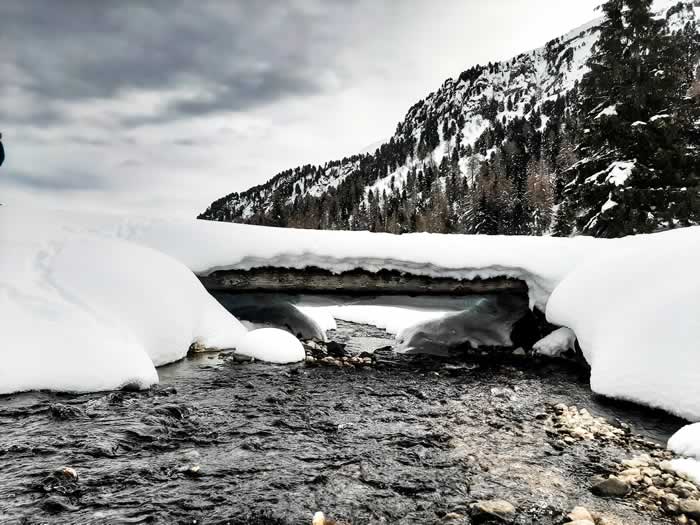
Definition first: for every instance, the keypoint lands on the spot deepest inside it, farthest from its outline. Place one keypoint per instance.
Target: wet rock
(57, 504)
(62, 481)
(64, 412)
(452, 516)
(611, 487)
(196, 348)
(500, 510)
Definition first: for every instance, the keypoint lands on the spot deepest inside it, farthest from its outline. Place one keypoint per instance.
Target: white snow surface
(635, 309)
(688, 468)
(556, 343)
(271, 345)
(80, 312)
(686, 442)
(205, 247)
(619, 172)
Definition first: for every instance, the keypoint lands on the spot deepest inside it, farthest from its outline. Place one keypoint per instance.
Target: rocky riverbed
(393, 440)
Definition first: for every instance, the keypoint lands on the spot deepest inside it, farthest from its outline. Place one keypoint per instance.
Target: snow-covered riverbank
(96, 301)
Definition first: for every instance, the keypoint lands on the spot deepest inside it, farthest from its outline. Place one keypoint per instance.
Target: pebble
(611, 487)
(483, 511)
(580, 514)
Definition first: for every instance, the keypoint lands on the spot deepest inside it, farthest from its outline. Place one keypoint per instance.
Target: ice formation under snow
(556, 343)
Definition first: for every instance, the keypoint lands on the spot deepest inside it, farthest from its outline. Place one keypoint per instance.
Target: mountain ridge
(465, 121)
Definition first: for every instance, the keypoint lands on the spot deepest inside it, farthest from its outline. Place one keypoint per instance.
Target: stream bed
(410, 440)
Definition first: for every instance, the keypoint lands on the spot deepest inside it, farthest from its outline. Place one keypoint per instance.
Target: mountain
(486, 153)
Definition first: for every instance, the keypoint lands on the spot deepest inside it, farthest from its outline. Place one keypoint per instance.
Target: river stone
(690, 507)
(580, 514)
(498, 509)
(611, 487)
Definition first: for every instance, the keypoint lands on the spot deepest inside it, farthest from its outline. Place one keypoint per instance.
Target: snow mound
(556, 343)
(83, 313)
(271, 345)
(686, 442)
(687, 468)
(635, 309)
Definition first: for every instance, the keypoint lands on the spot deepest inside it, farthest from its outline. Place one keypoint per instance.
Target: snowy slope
(534, 86)
(537, 76)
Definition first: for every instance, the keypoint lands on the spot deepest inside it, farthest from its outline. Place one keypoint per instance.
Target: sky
(158, 107)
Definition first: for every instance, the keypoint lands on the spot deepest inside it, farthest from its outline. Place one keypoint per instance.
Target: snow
(98, 301)
(686, 442)
(82, 312)
(619, 172)
(206, 247)
(635, 309)
(272, 345)
(609, 205)
(610, 111)
(556, 343)
(687, 468)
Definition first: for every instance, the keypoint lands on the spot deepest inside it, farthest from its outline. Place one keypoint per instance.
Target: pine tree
(636, 175)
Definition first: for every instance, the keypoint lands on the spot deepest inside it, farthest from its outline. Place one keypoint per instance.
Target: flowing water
(405, 441)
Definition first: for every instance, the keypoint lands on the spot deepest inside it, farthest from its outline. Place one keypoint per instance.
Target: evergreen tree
(637, 174)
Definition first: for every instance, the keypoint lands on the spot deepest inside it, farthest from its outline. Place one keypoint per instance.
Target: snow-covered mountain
(463, 122)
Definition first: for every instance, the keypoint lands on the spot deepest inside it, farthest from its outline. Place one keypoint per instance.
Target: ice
(488, 322)
(686, 442)
(272, 345)
(83, 313)
(635, 309)
(556, 343)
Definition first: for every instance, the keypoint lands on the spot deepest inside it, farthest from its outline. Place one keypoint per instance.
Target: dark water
(217, 442)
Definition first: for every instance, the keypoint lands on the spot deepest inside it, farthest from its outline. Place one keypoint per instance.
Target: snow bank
(79, 312)
(556, 343)
(687, 468)
(635, 309)
(272, 345)
(209, 246)
(686, 442)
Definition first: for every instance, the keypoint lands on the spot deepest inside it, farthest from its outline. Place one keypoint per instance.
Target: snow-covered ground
(635, 310)
(93, 302)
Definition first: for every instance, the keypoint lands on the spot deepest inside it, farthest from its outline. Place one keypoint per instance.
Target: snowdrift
(635, 310)
(80, 312)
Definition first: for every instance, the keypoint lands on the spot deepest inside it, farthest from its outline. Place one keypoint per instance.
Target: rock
(580, 514)
(580, 522)
(519, 352)
(56, 504)
(611, 487)
(690, 507)
(63, 412)
(318, 519)
(483, 511)
(450, 516)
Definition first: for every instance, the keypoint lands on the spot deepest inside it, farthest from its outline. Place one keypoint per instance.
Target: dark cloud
(230, 55)
(61, 182)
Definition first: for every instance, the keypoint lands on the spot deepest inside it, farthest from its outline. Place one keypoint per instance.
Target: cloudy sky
(161, 106)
